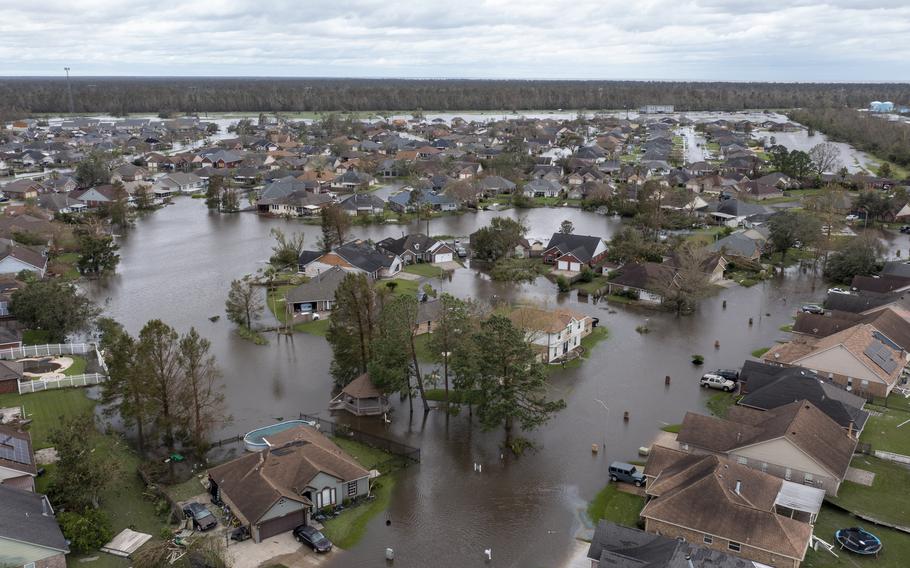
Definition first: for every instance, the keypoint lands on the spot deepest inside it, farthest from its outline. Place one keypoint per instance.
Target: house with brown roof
(860, 358)
(724, 506)
(17, 462)
(796, 442)
(555, 334)
(10, 372)
(644, 280)
(14, 258)
(276, 490)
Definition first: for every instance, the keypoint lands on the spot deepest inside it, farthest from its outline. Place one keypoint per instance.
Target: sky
(733, 40)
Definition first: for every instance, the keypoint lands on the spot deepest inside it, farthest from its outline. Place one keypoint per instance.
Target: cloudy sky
(762, 40)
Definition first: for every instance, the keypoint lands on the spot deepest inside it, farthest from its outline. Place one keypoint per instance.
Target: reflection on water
(177, 265)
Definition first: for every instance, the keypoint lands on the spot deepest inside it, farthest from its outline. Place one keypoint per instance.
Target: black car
(905, 229)
(241, 534)
(729, 374)
(812, 309)
(312, 538)
(203, 519)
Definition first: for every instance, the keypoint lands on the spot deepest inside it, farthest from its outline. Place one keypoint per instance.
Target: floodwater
(854, 160)
(177, 265)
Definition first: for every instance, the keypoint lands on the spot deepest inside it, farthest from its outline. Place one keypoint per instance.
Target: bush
(87, 531)
(562, 283)
(520, 201)
(587, 275)
(698, 359)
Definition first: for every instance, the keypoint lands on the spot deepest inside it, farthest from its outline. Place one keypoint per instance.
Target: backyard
(886, 500)
(894, 554)
(614, 505)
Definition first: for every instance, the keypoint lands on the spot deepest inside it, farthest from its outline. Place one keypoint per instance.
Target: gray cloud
(786, 40)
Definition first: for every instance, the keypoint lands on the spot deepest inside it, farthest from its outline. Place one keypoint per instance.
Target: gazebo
(360, 397)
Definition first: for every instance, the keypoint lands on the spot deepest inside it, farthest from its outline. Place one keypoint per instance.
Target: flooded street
(177, 265)
(851, 158)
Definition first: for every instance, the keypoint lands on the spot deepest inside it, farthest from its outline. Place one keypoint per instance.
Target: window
(734, 546)
(807, 479)
(764, 466)
(788, 474)
(708, 539)
(741, 460)
(352, 488)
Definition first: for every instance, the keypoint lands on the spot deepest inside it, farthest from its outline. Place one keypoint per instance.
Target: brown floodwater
(177, 264)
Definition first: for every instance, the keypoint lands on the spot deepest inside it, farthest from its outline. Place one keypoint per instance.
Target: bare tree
(202, 398)
(825, 158)
(244, 304)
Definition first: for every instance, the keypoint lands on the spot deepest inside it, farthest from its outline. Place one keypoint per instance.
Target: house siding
(719, 543)
(323, 481)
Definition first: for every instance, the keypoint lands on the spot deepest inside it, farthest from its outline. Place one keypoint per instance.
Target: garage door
(562, 265)
(444, 257)
(575, 267)
(280, 525)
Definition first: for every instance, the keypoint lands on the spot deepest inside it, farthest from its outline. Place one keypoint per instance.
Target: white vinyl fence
(39, 385)
(46, 350)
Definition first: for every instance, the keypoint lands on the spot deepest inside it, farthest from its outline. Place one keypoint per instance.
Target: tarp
(126, 543)
(800, 497)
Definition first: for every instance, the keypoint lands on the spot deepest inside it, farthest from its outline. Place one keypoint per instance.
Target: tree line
(23, 95)
(887, 140)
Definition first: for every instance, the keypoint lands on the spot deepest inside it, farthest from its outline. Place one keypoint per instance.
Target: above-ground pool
(254, 440)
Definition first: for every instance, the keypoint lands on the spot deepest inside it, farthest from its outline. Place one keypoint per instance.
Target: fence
(85, 380)
(46, 350)
(330, 428)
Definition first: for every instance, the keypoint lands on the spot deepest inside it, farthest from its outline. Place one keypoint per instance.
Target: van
(627, 472)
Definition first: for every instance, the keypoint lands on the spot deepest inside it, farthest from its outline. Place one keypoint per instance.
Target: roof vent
(739, 486)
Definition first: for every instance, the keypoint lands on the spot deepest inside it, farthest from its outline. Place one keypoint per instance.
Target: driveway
(279, 549)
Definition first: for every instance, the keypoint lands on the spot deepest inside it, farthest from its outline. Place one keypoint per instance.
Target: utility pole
(69, 89)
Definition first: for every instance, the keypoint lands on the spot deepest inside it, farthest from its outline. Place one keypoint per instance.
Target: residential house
(570, 252)
(542, 187)
(352, 180)
(299, 203)
(409, 200)
(60, 203)
(317, 295)
(766, 387)
(29, 534)
(646, 280)
(22, 189)
(860, 358)
(728, 507)
(59, 184)
(417, 247)
(363, 204)
(10, 372)
(360, 397)
(275, 490)
(354, 256)
(97, 196)
(796, 441)
(178, 182)
(616, 546)
(555, 334)
(735, 213)
(17, 462)
(128, 172)
(496, 185)
(14, 258)
(738, 245)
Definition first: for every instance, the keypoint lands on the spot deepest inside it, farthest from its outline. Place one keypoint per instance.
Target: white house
(554, 333)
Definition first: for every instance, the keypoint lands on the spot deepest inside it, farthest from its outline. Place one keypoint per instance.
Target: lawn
(368, 456)
(422, 346)
(348, 528)
(759, 352)
(66, 265)
(894, 553)
(46, 408)
(275, 302)
(614, 505)
(887, 500)
(794, 256)
(424, 269)
(883, 432)
(186, 490)
(720, 403)
(708, 235)
(672, 428)
(78, 366)
(401, 286)
(591, 287)
(35, 337)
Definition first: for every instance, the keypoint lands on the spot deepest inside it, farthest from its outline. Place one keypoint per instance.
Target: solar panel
(15, 449)
(884, 339)
(881, 356)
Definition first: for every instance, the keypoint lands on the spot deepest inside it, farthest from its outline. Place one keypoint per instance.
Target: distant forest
(19, 96)
(888, 140)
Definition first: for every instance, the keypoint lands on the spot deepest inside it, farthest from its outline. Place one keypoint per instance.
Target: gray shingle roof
(28, 517)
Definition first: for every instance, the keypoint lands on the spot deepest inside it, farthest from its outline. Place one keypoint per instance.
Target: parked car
(241, 534)
(461, 251)
(852, 217)
(837, 290)
(729, 374)
(717, 382)
(905, 229)
(620, 471)
(812, 309)
(203, 519)
(312, 538)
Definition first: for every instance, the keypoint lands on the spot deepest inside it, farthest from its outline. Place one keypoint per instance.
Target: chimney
(739, 486)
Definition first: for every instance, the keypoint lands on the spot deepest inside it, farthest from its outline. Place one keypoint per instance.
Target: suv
(313, 538)
(729, 374)
(717, 382)
(627, 472)
(812, 309)
(203, 519)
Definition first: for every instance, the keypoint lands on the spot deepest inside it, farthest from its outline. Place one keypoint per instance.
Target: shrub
(587, 275)
(698, 359)
(562, 283)
(87, 531)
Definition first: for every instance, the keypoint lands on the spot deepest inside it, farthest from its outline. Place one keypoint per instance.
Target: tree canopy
(54, 306)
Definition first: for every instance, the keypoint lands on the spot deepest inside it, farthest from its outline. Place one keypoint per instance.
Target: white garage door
(562, 265)
(444, 257)
(575, 267)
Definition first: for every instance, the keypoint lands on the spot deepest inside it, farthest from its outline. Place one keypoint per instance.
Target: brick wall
(58, 561)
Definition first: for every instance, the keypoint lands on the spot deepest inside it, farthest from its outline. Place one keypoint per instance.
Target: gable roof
(28, 517)
(644, 275)
(16, 450)
(320, 287)
(364, 256)
(415, 242)
(582, 247)
(27, 255)
(548, 321)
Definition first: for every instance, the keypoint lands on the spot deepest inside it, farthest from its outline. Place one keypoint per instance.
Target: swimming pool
(254, 440)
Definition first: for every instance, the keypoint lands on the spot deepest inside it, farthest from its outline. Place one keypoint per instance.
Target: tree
(124, 393)
(230, 201)
(144, 199)
(511, 381)
(203, 394)
(689, 282)
(82, 473)
(352, 328)
(97, 251)
(213, 192)
(859, 256)
(790, 228)
(335, 226)
(794, 163)
(118, 210)
(390, 364)
(93, 170)
(874, 203)
(884, 170)
(158, 363)
(825, 157)
(86, 531)
(629, 245)
(54, 306)
(244, 304)
(567, 227)
(456, 322)
(287, 249)
(498, 240)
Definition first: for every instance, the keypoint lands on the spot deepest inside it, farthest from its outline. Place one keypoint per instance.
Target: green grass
(348, 528)
(316, 327)
(367, 456)
(883, 432)
(788, 328)
(672, 428)
(518, 269)
(588, 343)
(614, 505)
(720, 403)
(47, 408)
(252, 335)
(275, 303)
(759, 352)
(68, 260)
(708, 235)
(794, 256)
(886, 500)
(422, 346)
(590, 287)
(184, 491)
(619, 299)
(425, 269)
(35, 337)
(78, 366)
(894, 554)
(401, 287)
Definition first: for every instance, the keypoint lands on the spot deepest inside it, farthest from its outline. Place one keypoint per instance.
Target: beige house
(555, 334)
(796, 442)
(860, 358)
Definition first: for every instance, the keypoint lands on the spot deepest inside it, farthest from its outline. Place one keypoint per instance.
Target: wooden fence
(39, 385)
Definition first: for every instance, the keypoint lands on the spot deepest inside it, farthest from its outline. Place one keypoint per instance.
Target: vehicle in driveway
(905, 229)
(812, 309)
(461, 251)
(312, 538)
(838, 291)
(730, 374)
(717, 382)
(621, 471)
(203, 519)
